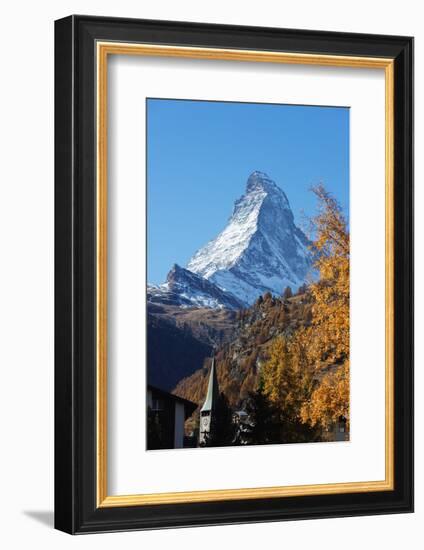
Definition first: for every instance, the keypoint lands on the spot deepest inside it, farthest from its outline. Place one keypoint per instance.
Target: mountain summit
(260, 249)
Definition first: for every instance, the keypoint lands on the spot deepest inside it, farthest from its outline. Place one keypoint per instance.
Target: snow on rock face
(187, 289)
(261, 249)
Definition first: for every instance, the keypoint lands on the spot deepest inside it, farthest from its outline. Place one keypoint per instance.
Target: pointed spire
(212, 395)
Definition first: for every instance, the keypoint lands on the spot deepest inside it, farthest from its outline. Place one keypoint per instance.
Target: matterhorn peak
(259, 181)
(261, 249)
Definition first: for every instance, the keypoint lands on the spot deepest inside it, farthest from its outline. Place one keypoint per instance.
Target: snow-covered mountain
(186, 289)
(260, 249)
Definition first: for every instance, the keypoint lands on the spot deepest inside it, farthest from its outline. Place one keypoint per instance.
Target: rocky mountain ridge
(187, 289)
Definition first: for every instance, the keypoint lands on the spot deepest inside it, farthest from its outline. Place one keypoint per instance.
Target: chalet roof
(212, 395)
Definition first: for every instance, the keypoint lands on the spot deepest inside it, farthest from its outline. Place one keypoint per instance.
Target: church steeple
(213, 390)
(208, 410)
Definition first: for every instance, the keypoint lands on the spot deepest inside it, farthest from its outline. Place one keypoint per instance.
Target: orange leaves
(329, 331)
(308, 372)
(285, 376)
(330, 399)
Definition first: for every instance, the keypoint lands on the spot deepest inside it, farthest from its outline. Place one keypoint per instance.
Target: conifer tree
(327, 336)
(302, 289)
(264, 423)
(288, 293)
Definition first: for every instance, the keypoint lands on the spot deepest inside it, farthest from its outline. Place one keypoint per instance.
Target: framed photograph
(234, 274)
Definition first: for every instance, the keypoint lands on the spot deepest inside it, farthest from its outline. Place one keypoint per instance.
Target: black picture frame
(76, 510)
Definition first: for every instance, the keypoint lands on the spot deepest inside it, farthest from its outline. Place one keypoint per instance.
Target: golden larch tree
(328, 333)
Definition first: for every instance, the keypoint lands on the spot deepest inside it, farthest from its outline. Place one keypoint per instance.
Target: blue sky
(200, 154)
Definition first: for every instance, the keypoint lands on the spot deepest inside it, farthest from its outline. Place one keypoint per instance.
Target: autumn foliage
(308, 372)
